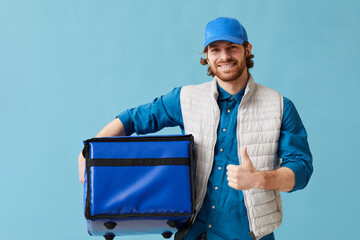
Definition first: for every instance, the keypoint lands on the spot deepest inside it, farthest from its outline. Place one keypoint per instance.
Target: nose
(225, 56)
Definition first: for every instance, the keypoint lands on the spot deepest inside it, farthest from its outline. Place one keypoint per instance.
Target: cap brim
(232, 39)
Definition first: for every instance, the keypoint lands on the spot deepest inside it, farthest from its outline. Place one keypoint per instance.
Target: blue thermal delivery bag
(138, 185)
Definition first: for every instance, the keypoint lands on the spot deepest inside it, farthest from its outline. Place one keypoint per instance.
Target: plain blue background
(68, 67)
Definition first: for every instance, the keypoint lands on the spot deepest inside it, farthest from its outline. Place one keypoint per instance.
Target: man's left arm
(296, 166)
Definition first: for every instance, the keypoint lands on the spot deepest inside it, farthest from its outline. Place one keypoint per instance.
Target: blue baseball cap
(225, 29)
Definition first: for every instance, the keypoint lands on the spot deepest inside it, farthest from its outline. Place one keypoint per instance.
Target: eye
(232, 47)
(214, 50)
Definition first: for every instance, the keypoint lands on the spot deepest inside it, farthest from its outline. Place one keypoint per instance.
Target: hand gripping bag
(138, 185)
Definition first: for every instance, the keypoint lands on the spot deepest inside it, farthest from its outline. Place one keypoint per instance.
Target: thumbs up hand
(244, 176)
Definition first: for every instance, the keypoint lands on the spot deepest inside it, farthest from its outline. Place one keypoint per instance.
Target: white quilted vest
(258, 127)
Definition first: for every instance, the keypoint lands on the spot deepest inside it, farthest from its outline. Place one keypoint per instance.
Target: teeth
(226, 66)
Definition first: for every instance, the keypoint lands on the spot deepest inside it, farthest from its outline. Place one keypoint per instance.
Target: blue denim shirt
(223, 214)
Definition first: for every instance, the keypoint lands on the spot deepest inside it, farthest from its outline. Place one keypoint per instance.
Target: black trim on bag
(139, 215)
(192, 172)
(142, 139)
(86, 154)
(180, 234)
(138, 161)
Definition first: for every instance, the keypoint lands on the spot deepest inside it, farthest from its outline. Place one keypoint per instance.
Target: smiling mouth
(226, 65)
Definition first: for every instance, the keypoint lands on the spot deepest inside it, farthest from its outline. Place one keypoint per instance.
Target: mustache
(229, 60)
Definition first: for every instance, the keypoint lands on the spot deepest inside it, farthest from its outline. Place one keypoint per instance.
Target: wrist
(261, 179)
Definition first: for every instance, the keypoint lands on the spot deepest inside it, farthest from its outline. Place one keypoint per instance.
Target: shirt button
(209, 226)
(229, 111)
(231, 98)
(213, 207)
(219, 168)
(216, 188)
(224, 129)
(221, 149)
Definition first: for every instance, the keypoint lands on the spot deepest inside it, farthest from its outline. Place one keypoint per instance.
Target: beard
(229, 75)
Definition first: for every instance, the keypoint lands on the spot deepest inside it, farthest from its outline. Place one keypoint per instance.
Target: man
(241, 131)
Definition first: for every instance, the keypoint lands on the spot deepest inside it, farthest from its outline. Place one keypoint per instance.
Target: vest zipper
(239, 153)
(247, 213)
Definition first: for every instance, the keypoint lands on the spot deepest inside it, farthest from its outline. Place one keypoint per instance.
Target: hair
(249, 61)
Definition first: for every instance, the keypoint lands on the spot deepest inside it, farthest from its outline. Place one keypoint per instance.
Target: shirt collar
(223, 95)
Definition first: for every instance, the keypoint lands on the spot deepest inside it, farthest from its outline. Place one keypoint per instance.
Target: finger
(231, 179)
(81, 177)
(233, 174)
(231, 167)
(81, 165)
(245, 157)
(230, 173)
(233, 185)
(244, 153)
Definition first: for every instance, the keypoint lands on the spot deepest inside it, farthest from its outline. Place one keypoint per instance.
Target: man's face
(227, 60)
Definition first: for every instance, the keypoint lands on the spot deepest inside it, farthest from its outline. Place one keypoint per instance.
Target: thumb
(245, 157)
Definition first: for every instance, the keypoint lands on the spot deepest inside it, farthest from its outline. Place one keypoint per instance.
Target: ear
(248, 49)
(206, 53)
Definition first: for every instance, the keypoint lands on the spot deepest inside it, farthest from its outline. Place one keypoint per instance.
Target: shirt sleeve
(293, 146)
(164, 111)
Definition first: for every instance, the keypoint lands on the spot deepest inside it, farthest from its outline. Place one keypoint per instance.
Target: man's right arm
(114, 128)
(148, 118)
